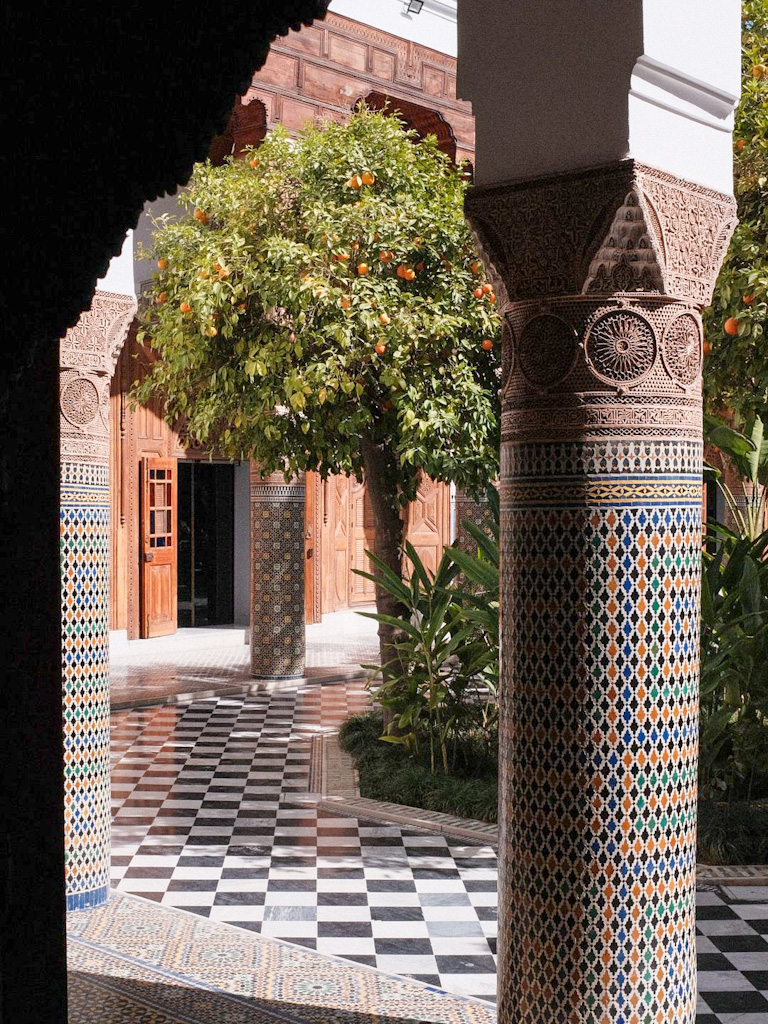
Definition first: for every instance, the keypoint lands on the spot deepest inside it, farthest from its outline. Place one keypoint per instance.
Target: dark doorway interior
(206, 544)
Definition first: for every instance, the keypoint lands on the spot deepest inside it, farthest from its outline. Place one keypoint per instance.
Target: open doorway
(206, 522)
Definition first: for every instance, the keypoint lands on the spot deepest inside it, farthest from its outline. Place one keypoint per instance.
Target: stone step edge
(348, 803)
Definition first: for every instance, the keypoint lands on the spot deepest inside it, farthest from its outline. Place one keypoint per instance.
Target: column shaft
(277, 576)
(603, 276)
(87, 358)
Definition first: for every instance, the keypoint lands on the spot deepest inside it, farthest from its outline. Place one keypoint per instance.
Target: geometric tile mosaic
(84, 547)
(599, 773)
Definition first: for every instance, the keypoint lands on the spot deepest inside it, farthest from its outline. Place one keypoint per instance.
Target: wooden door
(361, 533)
(158, 546)
(429, 522)
(312, 544)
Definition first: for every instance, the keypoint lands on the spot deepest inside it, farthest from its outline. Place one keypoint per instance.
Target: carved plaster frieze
(94, 343)
(623, 228)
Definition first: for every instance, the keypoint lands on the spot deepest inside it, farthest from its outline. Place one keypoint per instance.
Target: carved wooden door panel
(362, 534)
(340, 518)
(158, 547)
(429, 522)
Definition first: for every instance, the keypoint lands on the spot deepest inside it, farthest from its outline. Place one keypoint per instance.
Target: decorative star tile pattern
(84, 547)
(599, 769)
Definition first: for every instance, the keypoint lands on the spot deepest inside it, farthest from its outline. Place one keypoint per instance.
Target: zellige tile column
(277, 576)
(88, 354)
(603, 275)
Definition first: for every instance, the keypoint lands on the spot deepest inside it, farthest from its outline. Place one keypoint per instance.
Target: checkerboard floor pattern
(211, 815)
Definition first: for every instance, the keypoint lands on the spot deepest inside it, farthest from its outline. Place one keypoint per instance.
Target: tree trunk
(381, 479)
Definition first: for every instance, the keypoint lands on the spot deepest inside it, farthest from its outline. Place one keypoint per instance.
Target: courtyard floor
(215, 822)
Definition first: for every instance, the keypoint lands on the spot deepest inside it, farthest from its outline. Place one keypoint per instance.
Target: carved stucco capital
(603, 276)
(618, 229)
(94, 343)
(87, 357)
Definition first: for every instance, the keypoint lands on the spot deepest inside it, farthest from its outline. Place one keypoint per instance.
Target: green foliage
(736, 370)
(441, 685)
(749, 455)
(734, 666)
(732, 834)
(389, 773)
(289, 266)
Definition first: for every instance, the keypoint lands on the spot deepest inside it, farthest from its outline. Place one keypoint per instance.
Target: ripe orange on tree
(362, 269)
(345, 302)
(487, 289)
(707, 347)
(478, 293)
(355, 181)
(161, 298)
(731, 326)
(185, 307)
(748, 299)
(367, 178)
(486, 344)
(211, 332)
(162, 263)
(381, 348)
(384, 318)
(254, 162)
(200, 215)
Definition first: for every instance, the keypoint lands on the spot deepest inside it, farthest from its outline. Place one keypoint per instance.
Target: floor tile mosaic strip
(177, 968)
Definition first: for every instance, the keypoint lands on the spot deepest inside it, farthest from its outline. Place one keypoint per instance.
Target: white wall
(558, 86)
(435, 26)
(119, 275)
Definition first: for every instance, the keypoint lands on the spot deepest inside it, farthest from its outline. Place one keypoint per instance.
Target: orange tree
(322, 307)
(736, 367)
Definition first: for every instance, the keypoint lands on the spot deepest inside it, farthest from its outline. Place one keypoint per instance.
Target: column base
(88, 900)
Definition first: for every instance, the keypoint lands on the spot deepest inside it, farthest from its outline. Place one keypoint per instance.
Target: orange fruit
(492, 299)
(478, 293)
(345, 303)
(409, 273)
(203, 274)
(254, 162)
(355, 181)
(161, 298)
(707, 347)
(381, 348)
(223, 272)
(476, 266)
(487, 289)
(486, 344)
(185, 307)
(200, 215)
(341, 256)
(384, 256)
(740, 144)
(420, 266)
(731, 326)
(211, 332)
(367, 178)
(759, 71)
(162, 264)
(362, 269)
(748, 299)
(384, 318)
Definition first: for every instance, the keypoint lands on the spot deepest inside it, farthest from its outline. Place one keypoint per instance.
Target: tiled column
(88, 354)
(604, 275)
(277, 576)
(473, 510)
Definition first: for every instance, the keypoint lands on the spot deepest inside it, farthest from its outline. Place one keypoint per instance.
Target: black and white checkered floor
(210, 815)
